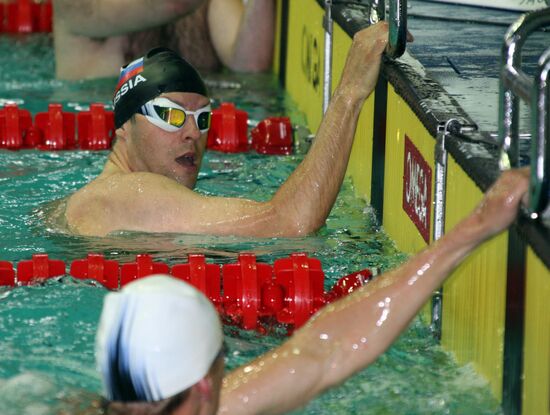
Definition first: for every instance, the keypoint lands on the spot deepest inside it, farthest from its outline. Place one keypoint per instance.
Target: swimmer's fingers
(501, 203)
(373, 39)
(363, 61)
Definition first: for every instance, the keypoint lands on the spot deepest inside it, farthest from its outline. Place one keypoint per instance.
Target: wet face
(177, 155)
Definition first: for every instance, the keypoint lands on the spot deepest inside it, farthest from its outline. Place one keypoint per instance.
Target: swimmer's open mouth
(187, 160)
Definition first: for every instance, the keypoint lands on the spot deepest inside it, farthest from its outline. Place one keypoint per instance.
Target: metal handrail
(539, 190)
(327, 71)
(377, 11)
(398, 28)
(514, 84)
(397, 17)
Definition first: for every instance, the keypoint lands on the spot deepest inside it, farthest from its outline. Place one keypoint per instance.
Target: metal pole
(378, 11)
(539, 186)
(327, 78)
(513, 81)
(398, 28)
(440, 194)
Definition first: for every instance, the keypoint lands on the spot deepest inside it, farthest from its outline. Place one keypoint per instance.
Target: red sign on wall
(417, 189)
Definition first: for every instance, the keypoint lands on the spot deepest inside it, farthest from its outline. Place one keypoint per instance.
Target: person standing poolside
(160, 348)
(93, 38)
(162, 115)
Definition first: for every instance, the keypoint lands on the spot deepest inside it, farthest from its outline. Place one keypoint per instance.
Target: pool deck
(460, 47)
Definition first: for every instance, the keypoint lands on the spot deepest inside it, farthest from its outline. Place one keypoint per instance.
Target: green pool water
(47, 331)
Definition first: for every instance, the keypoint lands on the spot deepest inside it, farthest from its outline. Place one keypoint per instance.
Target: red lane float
(26, 16)
(242, 287)
(346, 285)
(14, 126)
(96, 267)
(255, 295)
(20, 16)
(302, 280)
(228, 130)
(143, 267)
(40, 267)
(205, 277)
(7, 274)
(44, 19)
(94, 129)
(55, 128)
(272, 136)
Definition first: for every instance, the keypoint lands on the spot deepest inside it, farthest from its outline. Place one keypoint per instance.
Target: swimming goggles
(171, 117)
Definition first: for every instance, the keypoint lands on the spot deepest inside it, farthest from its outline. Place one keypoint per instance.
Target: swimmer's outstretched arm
(243, 34)
(105, 18)
(348, 335)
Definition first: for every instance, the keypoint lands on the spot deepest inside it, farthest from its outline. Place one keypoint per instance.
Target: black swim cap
(160, 70)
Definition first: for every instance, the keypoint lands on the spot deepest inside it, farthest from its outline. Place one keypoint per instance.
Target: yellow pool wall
(474, 297)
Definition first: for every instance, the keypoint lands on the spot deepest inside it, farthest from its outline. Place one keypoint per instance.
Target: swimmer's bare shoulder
(136, 201)
(149, 202)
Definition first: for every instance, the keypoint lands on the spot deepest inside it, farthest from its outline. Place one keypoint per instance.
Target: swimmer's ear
(122, 132)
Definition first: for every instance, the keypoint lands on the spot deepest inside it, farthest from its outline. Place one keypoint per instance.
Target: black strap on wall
(283, 42)
(514, 324)
(379, 147)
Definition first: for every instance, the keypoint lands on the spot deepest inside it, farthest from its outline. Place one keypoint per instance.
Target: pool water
(47, 331)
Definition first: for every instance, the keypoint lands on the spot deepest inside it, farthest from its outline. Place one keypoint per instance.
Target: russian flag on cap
(129, 71)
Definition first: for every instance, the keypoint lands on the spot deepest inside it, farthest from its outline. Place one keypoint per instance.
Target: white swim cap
(156, 338)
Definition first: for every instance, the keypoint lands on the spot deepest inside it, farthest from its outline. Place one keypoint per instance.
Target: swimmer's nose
(192, 131)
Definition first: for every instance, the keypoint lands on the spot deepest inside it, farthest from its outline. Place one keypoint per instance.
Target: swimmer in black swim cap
(162, 117)
(166, 102)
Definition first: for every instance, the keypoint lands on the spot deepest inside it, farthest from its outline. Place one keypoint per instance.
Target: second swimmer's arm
(348, 335)
(105, 18)
(243, 34)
